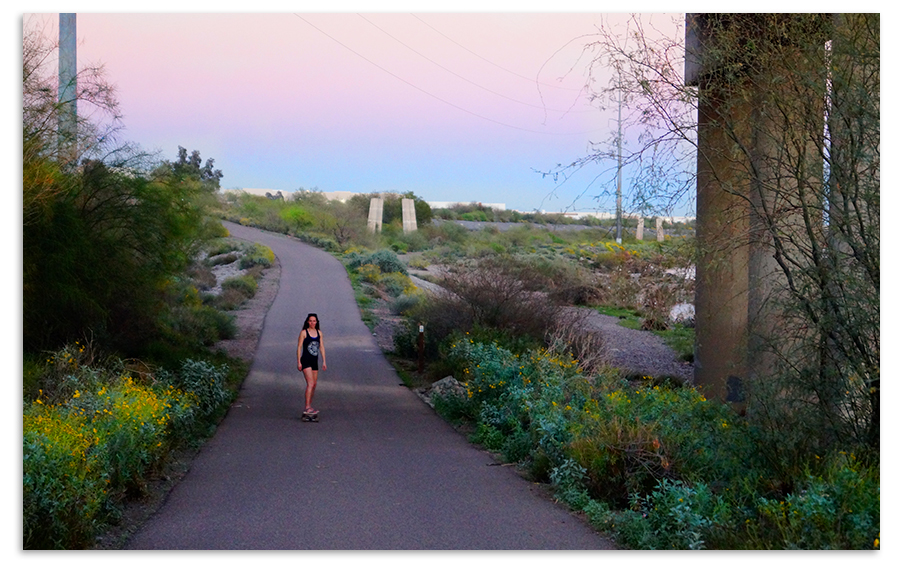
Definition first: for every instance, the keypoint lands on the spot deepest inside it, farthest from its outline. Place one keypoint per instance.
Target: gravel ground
(633, 351)
(250, 316)
(638, 352)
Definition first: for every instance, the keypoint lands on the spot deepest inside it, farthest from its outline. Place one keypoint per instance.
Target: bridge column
(409, 215)
(376, 214)
(749, 178)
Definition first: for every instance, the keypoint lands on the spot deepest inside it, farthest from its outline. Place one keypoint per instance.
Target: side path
(380, 471)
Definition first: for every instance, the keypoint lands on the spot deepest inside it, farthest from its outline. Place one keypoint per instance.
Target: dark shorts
(309, 363)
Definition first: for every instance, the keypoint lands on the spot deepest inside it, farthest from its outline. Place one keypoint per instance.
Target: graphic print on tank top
(313, 347)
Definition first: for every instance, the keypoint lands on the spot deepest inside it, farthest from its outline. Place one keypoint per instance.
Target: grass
(627, 317)
(681, 340)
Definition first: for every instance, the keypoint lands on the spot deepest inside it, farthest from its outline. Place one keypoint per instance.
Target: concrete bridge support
(748, 184)
(376, 214)
(409, 215)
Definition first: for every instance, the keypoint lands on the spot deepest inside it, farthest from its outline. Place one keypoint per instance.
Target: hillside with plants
(122, 307)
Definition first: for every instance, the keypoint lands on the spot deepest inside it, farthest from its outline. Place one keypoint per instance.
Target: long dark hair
(306, 323)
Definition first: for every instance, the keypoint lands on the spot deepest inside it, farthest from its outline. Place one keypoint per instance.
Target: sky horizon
(454, 107)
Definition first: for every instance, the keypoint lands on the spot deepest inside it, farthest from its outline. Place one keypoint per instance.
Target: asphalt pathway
(380, 471)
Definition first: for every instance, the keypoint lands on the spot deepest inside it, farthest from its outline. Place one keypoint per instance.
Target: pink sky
(279, 104)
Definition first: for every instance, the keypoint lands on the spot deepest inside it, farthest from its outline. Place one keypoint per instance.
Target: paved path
(380, 471)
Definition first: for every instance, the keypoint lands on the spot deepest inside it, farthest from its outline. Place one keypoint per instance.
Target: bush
(221, 246)
(369, 273)
(94, 443)
(495, 295)
(199, 325)
(659, 467)
(206, 382)
(257, 255)
(62, 494)
(387, 261)
(406, 303)
(244, 284)
(837, 510)
(397, 284)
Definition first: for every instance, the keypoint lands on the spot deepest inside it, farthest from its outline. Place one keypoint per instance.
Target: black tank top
(310, 347)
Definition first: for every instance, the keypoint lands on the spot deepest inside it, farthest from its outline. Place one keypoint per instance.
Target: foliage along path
(379, 471)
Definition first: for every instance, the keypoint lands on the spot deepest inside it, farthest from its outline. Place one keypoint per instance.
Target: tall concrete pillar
(67, 94)
(660, 233)
(639, 234)
(749, 178)
(722, 278)
(376, 214)
(409, 215)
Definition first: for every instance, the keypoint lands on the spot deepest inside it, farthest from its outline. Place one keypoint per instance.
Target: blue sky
(451, 106)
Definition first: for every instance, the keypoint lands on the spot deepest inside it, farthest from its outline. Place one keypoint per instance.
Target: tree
(782, 119)
(102, 238)
(658, 117)
(189, 168)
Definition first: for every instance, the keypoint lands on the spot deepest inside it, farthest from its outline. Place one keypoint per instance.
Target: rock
(683, 273)
(444, 387)
(682, 313)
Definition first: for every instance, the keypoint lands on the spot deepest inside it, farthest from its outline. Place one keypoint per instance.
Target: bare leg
(311, 378)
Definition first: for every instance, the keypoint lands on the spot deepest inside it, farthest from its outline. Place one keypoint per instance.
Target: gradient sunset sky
(451, 106)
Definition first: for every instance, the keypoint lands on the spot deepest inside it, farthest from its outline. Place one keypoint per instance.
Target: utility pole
(619, 172)
(67, 128)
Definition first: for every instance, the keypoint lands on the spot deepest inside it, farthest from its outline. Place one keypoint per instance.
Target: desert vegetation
(119, 313)
(649, 460)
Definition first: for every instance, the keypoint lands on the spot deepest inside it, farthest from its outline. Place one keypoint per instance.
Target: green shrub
(454, 409)
(63, 496)
(680, 472)
(386, 261)
(257, 255)
(680, 515)
(245, 284)
(418, 262)
(221, 246)
(405, 303)
(837, 510)
(201, 325)
(396, 284)
(86, 448)
(206, 382)
(326, 244)
(369, 273)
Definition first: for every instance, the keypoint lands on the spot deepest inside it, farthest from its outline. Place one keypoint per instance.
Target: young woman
(309, 347)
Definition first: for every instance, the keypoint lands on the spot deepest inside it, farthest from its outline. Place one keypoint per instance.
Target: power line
(532, 79)
(541, 107)
(444, 101)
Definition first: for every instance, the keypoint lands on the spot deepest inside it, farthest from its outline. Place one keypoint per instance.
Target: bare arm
(322, 351)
